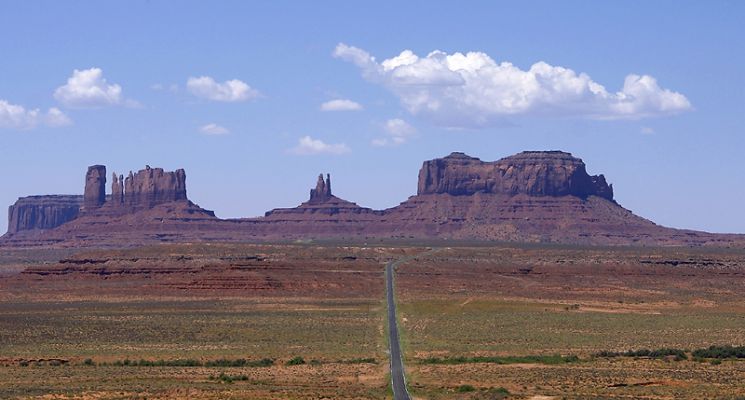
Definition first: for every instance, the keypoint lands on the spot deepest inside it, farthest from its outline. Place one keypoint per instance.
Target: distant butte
(535, 173)
(321, 203)
(533, 196)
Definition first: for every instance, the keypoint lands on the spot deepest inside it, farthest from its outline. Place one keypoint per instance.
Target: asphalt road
(398, 380)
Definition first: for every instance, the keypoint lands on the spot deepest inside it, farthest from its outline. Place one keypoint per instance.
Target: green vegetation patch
(711, 352)
(465, 388)
(223, 362)
(549, 360)
(720, 352)
(296, 361)
(679, 354)
(359, 361)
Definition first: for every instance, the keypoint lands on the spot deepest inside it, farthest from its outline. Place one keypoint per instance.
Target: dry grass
(325, 304)
(543, 301)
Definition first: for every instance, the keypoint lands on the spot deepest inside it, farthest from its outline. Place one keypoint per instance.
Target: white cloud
(647, 130)
(17, 117)
(229, 91)
(379, 142)
(89, 89)
(159, 87)
(13, 116)
(341, 105)
(309, 146)
(398, 127)
(465, 90)
(214, 130)
(56, 118)
(398, 132)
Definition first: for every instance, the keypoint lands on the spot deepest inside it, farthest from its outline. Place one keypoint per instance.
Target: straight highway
(398, 378)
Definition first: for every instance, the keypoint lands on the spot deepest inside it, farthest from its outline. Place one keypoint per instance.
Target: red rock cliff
(322, 192)
(535, 173)
(95, 187)
(140, 191)
(148, 188)
(43, 212)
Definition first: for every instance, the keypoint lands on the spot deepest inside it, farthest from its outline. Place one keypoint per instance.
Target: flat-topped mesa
(534, 173)
(43, 212)
(95, 187)
(322, 192)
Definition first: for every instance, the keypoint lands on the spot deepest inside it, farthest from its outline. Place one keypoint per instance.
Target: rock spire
(95, 187)
(322, 192)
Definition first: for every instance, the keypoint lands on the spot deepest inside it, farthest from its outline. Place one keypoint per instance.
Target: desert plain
(307, 321)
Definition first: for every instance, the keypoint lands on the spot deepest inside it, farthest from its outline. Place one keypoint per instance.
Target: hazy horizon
(255, 100)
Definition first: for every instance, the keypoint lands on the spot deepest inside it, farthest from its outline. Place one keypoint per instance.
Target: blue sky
(255, 99)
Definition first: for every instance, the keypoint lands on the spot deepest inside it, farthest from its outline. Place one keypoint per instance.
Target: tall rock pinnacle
(95, 187)
(322, 192)
(117, 189)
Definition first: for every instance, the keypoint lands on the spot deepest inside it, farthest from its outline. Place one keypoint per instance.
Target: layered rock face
(543, 197)
(95, 187)
(43, 212)
(141, 191)
(117, 189)
(148, 188)
(534, 173)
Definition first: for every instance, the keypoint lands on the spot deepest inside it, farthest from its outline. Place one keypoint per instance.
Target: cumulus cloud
(56, 118)
(13, 116)
(397, 132)
(341, 105)
(471, 89)
(399, 127)
(214, 129)
(308, 146)
(229, 91)
(89, 89)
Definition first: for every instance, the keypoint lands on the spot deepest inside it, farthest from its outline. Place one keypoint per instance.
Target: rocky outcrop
(42, 212)
(322, 202)
(95, 187)
(534, 173)
(322, 192)
(545, 197)
(152, 186)
(144, 190)
(117, 189)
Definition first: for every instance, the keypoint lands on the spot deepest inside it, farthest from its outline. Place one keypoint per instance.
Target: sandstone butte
(533, 196)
